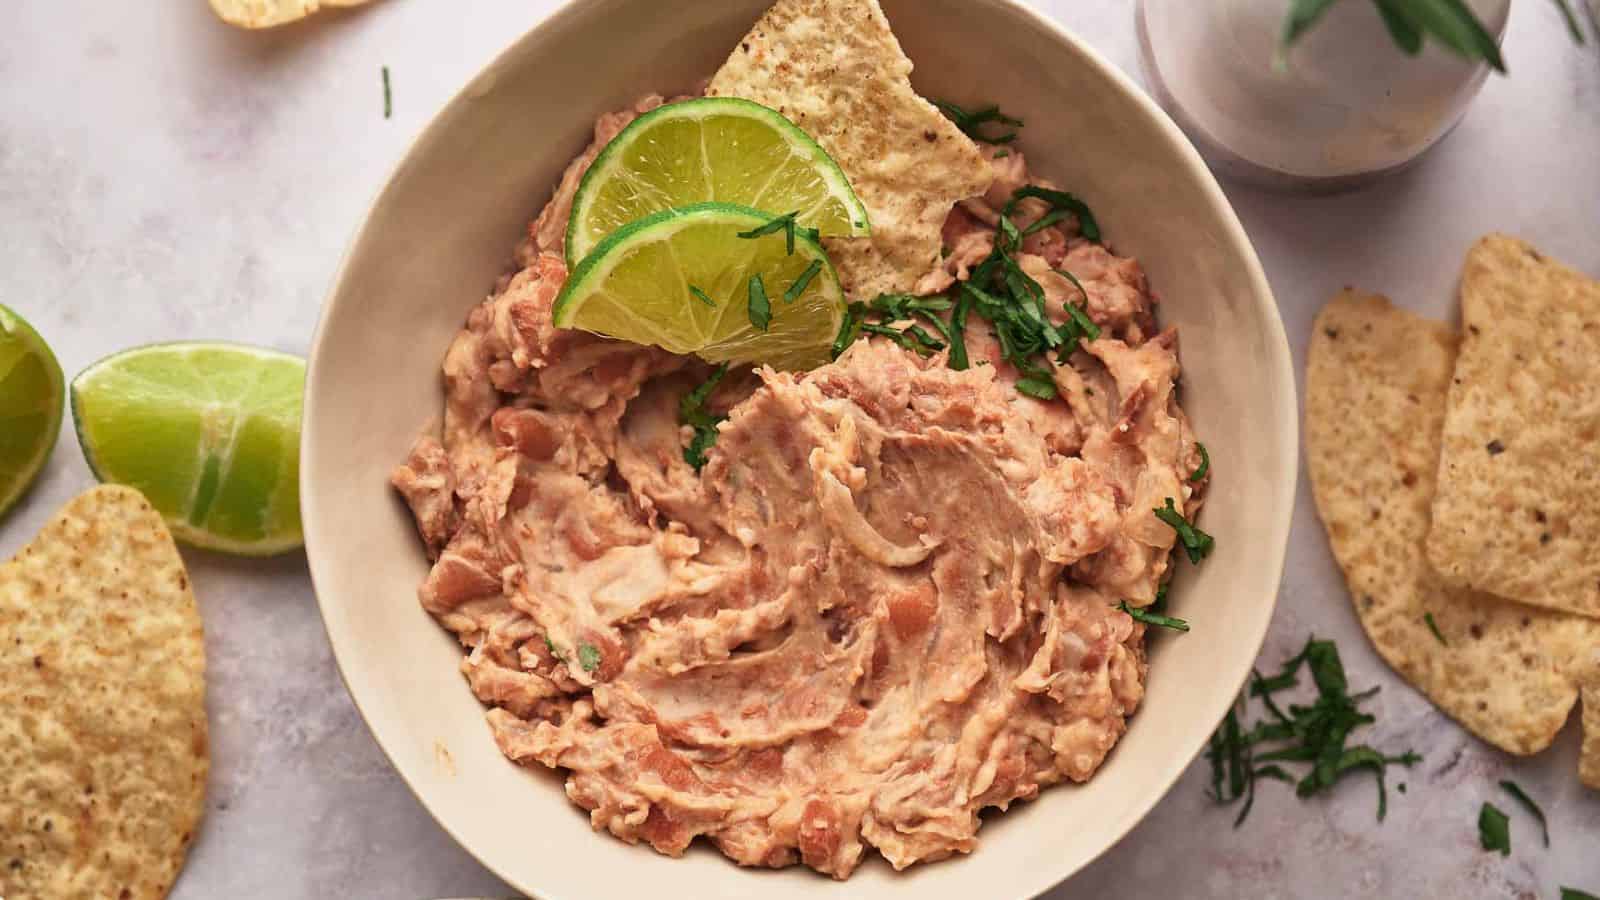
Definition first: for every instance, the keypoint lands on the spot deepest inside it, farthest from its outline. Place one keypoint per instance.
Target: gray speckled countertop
(163, 176)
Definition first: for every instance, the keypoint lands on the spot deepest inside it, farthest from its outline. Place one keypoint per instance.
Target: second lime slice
(712, 149)
(715, 280)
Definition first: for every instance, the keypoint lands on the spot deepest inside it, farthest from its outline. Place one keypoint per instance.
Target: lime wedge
(209, 432)
(714, 149)
(30, 406)
(640, 285)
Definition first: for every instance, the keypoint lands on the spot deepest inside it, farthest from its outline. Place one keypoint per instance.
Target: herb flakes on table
(1315, 734)
(1494, 829)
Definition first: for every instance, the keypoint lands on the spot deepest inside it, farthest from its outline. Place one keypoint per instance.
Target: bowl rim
(1280, 365)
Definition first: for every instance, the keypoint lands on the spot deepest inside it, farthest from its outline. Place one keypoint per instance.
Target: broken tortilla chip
(1519, 484)
(1589, 756)
(1375, 402)
(103, 751)
(270, 13)
(834, 68)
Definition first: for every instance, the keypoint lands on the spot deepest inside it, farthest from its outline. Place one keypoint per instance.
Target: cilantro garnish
(1494, 829)
(550, 645)
(801, 283)
(588, 657)
(1512, 788)
(692, 412)
(1199, 474)
(702, 297)
(785, 223)
(889, 309)
(1062, 202)
(1427, 619)
(760, 306)
(1000, 291)
(972, 123)
(1149, 617)
(1196, 543)
(1315, 734)
(388, 95)
(1575, 894)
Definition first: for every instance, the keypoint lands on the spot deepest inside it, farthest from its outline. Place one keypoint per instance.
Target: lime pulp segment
(712, 149)
(210, 433)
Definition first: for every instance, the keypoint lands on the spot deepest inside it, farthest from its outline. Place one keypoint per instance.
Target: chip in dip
(893, 596)
(830, 66)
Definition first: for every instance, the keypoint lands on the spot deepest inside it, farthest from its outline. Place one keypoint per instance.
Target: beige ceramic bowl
(443, 229)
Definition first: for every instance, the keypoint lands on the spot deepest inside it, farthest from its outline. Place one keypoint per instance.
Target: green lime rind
(636, 284)
(711, 149)
(32, 389)
(209, 432)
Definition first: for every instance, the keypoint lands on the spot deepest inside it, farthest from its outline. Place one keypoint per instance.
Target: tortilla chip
(268, 13)
(1589, 756)
(1519, 483)
(1375, 399)
(103, 755)
(835, 69)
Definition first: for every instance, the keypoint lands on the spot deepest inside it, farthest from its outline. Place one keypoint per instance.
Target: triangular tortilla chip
(1519, 482)
(1375, 400)
(835, 69)
(103, 754)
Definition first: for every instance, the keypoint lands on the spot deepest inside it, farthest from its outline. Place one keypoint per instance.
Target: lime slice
(30, 406)
(715, 149)
(639, 285)
(209, 432)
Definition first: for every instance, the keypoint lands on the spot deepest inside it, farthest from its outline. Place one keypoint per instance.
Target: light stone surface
(163, 176)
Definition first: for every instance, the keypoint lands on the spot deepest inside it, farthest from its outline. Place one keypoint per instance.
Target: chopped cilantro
(388, 95)
(1060, 201)
(588, 657)
(550, 645)
(1512, 788)
(803, 282)
(1196, 543)
(1152, 618)
(1494, 829)
(760, 306)
(1575, 894)
(972, 123)
(1316, 734)
(702, 297)
(784, 223)
(1198, 475)
(692, 412)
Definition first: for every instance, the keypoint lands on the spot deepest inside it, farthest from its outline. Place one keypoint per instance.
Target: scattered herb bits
(1196, 543)
(1149, 617)
(1494, 830)
(588, 657)
(1316, 734)
(693, 413)
(979, 124)
(1515, 790)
